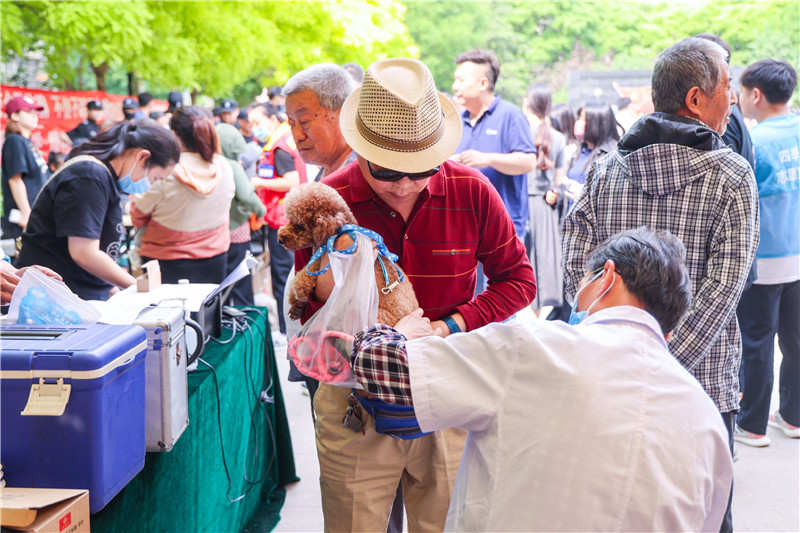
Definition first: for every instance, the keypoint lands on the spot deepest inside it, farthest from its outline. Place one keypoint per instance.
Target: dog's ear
(324, 227)
(345, 217)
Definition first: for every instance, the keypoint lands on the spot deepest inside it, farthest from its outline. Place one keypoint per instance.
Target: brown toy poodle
(316, 212)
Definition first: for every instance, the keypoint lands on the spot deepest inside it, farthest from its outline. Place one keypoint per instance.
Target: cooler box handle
(199, 347)
(47, 399)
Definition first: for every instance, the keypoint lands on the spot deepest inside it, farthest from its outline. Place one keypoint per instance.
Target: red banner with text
(63, 110)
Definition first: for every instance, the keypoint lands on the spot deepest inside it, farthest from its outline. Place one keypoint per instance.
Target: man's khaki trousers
(359, 473)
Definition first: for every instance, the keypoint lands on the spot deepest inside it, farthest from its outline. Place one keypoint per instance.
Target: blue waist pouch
(398, 421)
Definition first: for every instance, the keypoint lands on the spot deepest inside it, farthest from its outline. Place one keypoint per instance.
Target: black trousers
(208, 270)
(281, 264)
(242, 293)
(727, 520)
(763, 312)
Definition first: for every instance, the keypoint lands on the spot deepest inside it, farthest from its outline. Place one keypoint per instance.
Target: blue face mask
(128, 186)
(261, 133)
(575, 316)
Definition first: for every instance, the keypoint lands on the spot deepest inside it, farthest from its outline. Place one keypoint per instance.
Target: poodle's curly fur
(316, 212)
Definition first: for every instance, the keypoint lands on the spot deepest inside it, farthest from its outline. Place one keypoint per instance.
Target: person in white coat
(591, 426)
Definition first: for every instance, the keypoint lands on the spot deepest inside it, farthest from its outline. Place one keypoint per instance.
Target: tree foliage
(222, 48)
(209, 46)
(541, 40)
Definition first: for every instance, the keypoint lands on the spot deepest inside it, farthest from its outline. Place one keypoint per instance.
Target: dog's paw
(295, 306)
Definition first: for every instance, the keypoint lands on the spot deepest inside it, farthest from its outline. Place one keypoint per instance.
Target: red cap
(20, 103)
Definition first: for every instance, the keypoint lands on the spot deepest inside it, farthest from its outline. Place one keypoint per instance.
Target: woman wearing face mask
(76, 222)
(186, 215)
(598, 131)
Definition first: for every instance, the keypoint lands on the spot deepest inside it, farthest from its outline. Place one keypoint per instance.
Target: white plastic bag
(322, 348)
(40, 299)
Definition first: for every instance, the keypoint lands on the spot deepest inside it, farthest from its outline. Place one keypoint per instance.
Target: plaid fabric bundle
(381, 365)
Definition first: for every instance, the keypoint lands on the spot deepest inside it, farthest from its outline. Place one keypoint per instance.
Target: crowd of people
(650, 247)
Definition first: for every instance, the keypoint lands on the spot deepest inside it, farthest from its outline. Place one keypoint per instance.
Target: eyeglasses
(396, 175)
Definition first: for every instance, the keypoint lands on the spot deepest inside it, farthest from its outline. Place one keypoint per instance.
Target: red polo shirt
(458, 220)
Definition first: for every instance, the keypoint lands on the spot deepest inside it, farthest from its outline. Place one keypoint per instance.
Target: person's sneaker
(777, 421)
(279, 339)
(751, 439)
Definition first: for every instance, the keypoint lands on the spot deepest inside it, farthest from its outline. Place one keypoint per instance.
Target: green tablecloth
(187, 489)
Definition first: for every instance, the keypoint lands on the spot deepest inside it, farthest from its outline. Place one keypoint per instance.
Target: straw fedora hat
(398, 120)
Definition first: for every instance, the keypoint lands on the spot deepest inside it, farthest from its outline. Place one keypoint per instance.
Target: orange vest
(272, 200)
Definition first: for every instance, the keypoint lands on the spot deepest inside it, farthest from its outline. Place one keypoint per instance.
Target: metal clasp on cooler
(47, 399)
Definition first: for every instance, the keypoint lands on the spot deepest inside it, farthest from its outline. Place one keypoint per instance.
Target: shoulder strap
(79, 159)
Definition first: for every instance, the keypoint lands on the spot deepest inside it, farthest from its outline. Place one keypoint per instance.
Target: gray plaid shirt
(709, 200)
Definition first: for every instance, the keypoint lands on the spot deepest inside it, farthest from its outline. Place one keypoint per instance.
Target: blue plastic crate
(98, 441)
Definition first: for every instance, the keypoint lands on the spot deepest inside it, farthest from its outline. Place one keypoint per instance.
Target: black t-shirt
(82, 200)
(738, 138)
(284, 162)
(85, 130)
(20, 156)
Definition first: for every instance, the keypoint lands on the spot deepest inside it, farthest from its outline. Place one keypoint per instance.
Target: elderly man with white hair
(314, 98)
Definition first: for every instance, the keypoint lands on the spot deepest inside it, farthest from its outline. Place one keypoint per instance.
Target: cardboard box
(45, 510)
(151, 279)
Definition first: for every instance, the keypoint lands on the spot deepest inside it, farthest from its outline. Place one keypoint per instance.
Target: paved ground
(766, 487)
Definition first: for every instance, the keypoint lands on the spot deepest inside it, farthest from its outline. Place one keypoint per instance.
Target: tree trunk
(79, 79)
(100, 72)
(66, 80)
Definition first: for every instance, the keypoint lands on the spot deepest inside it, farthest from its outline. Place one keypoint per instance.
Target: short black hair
(652, 264)
(482, 57)
(274, 91)
(774, 77)
(56, 158)
(144, 99)
(268, 109)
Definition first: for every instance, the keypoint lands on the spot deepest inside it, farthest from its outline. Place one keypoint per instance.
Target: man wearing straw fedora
(442, 219)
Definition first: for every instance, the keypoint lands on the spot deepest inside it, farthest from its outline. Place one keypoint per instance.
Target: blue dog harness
(383, 252)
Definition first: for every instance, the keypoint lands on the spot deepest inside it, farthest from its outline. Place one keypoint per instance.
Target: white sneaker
(751, 439)
(777, 421)
(279, 339)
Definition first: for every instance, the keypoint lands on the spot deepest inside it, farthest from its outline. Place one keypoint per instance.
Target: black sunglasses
(396, 175)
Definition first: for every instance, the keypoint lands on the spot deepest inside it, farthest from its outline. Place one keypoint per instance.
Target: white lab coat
(593, 427)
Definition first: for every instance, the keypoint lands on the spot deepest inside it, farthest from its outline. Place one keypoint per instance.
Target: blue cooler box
(73, 407)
